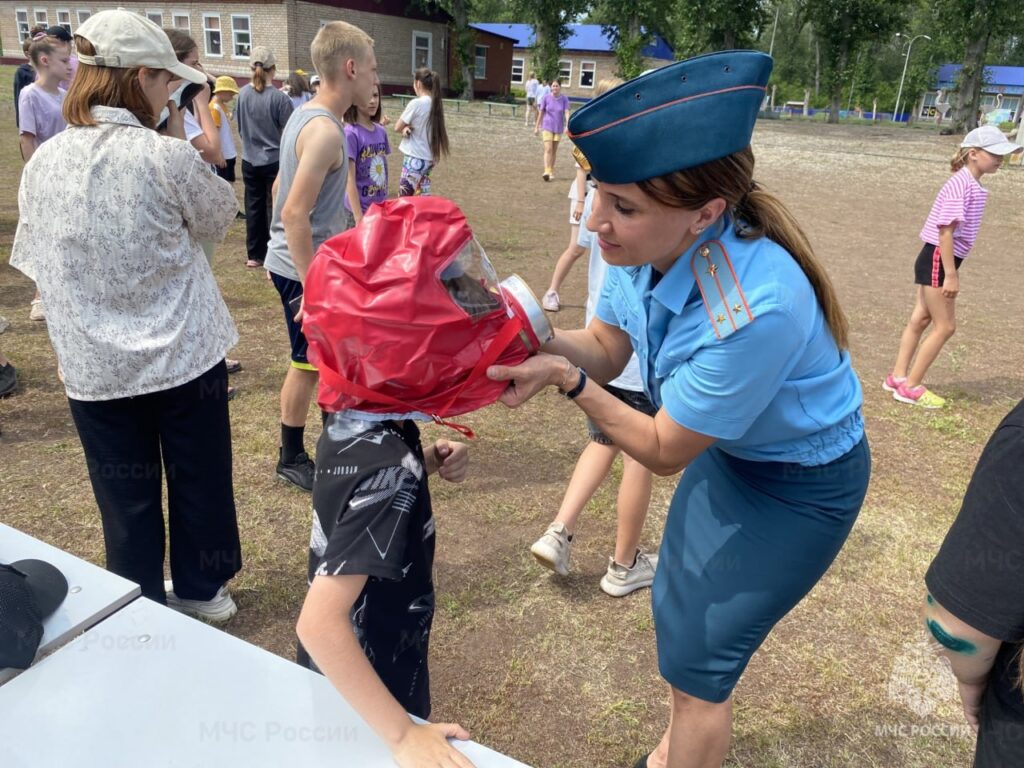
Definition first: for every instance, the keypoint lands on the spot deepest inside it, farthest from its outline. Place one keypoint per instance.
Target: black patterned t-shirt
(372, 516)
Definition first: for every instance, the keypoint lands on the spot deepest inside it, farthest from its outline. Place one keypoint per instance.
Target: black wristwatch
(572, 393)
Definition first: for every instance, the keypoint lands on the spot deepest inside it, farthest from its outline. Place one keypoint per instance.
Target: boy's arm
(325, 629)
(970, 652)
(318, 148)
(352, 192)
(951, 282)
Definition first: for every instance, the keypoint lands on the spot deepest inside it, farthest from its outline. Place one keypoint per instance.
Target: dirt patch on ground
(552, 671)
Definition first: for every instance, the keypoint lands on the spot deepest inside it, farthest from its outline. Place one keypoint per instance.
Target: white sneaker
(619, 580)
(36, 312)
(219, 608)
(553, 548)
(551, 302)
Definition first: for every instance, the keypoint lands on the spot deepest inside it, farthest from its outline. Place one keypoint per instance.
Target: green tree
(631, 25)
(973, 26)
(841, 27)
(700, 26)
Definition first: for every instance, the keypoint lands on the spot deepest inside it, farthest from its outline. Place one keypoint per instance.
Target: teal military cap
(673, 118)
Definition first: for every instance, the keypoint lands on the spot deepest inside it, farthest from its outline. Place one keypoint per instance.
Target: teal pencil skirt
(743, 543)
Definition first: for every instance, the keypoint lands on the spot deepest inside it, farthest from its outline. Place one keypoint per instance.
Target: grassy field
(549, 670)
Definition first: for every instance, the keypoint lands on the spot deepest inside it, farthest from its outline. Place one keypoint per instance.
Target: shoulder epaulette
(724, 301)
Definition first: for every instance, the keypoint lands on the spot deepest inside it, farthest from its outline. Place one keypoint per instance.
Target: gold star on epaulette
(720, 318)
(713, 270)
(737, 308)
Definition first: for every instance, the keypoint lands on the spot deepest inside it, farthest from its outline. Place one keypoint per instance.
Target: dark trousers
(130, 444)
(258, 180)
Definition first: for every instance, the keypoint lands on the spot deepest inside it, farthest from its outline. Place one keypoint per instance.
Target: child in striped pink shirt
(948, 235)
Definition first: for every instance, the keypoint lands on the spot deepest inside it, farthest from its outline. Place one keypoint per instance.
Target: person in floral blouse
(111, 214)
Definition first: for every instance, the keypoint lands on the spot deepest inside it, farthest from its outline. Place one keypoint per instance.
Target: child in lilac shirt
(368, 147)
(552, 115)
(39, 104)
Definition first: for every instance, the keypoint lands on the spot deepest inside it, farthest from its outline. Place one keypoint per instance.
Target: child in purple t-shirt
(552, 115)
(39, 104)
(368, 147)
(39, 108)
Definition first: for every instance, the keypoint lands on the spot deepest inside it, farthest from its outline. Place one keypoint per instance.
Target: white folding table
(93, 593)
(149, 686)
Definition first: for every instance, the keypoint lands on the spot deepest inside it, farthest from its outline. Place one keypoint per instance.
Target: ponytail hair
(261, 77)
(960, 158)
(438, 135)
(757, 213)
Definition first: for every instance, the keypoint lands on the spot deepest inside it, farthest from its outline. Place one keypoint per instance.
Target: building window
(587, 70)
(480, 63)
(422, 50)
(241, 37)
(64, 19)
(181, 20)
(518, 65)
(83, 16)
(565, 71)
(157, 17)
(21, 15)
(211, 34)
(42, 17)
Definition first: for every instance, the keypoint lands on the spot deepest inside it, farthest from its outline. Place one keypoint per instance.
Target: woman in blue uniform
(742, 345)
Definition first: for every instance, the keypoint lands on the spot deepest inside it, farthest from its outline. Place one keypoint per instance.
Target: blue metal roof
(582, 37)
(995, 77)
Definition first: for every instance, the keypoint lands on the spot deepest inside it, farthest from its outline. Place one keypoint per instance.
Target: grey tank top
(328, 215)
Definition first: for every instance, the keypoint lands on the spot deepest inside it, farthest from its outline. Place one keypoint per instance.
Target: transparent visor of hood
(472, 282)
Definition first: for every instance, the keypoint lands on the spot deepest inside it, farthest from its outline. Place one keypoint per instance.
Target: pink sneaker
(920, 396)
(892, 383)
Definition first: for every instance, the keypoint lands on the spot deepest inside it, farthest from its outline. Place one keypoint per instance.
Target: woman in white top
(111, 215)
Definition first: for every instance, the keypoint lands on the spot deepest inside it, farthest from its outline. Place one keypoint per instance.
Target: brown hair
(261, 77)
(27, 42)
(430, 80)
(762, 215)
(336, 42)
(352, 113)
(181, 42)
(104, 86)
(42, 46)
(297, 84)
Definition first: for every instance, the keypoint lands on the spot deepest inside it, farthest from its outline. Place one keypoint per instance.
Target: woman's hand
(577, 210)
(530, 377)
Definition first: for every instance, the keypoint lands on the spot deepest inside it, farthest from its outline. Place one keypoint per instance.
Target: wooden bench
(492, 104)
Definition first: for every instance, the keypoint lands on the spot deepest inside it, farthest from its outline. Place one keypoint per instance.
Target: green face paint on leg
(931, 600)
(946, 640)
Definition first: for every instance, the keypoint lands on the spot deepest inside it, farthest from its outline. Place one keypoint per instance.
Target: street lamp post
(906, 61)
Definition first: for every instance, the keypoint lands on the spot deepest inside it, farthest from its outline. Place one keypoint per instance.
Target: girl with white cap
(135, 316)
(948, 235)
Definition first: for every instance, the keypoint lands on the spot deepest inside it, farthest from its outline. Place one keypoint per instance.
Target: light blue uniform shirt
(776, 389)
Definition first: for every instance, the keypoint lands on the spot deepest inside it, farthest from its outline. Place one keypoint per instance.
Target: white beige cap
(989, 138)
(123, 39)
